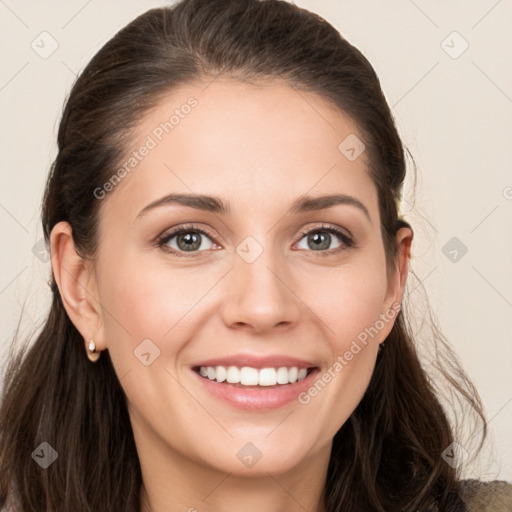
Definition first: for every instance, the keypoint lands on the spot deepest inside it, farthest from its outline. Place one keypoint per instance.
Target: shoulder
(492, 496)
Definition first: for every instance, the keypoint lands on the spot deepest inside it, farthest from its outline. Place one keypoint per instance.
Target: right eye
(188, 240)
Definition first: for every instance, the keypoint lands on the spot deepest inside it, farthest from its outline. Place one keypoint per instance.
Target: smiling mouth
(248, 377)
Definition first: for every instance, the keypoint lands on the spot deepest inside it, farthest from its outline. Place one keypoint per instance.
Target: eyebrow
(217, 205)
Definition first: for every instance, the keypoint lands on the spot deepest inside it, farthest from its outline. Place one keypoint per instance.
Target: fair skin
(258, 148)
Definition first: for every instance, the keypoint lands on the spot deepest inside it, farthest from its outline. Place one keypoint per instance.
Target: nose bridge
(260, 289)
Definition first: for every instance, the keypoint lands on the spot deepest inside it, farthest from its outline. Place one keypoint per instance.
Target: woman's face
(253, 287)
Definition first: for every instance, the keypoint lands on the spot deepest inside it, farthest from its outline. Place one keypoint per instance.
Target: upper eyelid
(172, 232)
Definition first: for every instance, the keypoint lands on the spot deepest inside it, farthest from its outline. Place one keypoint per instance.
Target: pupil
(192, 241)
(316, 236)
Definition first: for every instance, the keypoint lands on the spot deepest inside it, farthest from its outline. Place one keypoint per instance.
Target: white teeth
(248, 376)
(282, 375)
(220, 373)
(267, 377)
(233, 375)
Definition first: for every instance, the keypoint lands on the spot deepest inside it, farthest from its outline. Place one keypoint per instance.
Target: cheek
(150, 301)
(349, 304)
(348, 300)
(150, 313)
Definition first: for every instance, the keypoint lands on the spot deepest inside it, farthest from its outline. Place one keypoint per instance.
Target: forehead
(256, 145)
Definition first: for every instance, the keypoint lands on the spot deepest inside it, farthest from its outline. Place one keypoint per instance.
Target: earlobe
(77, 286)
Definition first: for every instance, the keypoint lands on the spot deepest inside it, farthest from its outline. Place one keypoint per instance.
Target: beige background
(453, 110)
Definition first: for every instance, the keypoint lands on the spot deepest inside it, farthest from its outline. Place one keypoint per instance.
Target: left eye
(321, 241)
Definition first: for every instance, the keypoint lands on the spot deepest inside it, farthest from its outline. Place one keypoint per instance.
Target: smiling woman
(227, 312)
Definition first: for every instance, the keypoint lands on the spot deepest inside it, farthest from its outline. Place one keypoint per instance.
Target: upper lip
(270, 361)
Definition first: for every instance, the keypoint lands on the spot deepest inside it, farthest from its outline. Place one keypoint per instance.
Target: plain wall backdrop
(445, 70)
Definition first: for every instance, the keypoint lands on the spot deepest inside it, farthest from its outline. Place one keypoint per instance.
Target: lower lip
(260, 398)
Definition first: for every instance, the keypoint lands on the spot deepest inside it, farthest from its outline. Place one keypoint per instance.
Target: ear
(398, 278)
(77, 286)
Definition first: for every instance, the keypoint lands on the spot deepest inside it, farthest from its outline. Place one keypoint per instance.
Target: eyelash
(345, 239)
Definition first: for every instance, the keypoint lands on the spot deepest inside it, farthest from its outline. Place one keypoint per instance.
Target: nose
(260, 295)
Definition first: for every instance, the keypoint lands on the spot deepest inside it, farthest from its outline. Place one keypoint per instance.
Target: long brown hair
(387, 456)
